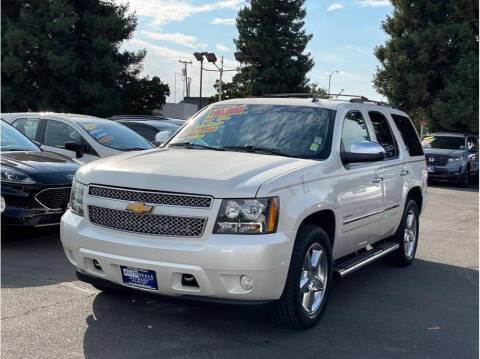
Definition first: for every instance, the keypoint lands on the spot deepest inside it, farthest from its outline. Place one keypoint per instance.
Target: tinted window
(57, 133)
(144, 131)
(114, 135)
(13, 140)
(27, 126)
(354, 130)
(384, 134)
(299, 131)
(409, 135)
(444, 142)
(472, 144)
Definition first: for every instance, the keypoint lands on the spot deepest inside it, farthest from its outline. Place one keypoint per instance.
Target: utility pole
(220, 85)
(329, 79)
(186, 75)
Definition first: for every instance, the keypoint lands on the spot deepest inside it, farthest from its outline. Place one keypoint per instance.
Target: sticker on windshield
(314, 147)
(105, 139)
(89, 126)
(226, 111)
(317, 140)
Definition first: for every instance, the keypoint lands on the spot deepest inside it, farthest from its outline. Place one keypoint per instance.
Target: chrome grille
(162, 198)
(54, 198)
(147, 223)
(437, 160)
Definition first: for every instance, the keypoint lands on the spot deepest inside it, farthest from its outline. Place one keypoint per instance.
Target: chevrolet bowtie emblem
(138, 208)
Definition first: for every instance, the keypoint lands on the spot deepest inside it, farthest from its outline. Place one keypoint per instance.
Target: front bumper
(448, 172)
(217, 263)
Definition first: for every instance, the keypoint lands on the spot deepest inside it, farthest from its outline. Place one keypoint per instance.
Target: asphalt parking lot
(428, 310)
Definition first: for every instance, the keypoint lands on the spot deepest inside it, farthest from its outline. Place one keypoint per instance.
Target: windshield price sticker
(227, 111)
(89, 126)
(105, 139)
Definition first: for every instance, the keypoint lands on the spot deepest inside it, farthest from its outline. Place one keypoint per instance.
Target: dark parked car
(451, 156)
(176, 121)
(35, 184)
(150, 128)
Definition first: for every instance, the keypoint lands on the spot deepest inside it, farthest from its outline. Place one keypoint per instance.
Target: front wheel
(465, 178)
(309, 280)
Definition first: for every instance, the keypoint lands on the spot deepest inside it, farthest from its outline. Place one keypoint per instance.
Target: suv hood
(196, 171)
(445, 152)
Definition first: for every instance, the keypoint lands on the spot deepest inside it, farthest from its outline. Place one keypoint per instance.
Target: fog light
(2, 204)
(246, 282)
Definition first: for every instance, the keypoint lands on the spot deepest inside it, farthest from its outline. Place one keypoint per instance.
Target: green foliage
(63, 55)
(429, 64)
(316, 89)
(234, 89)
(272, 41)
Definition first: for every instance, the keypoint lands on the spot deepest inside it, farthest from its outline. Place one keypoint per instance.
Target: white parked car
(85, 138)
(254, 200)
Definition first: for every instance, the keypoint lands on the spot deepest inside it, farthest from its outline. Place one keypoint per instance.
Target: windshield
(295, 131)
(444, 142)
(14, 140)
(115, 135)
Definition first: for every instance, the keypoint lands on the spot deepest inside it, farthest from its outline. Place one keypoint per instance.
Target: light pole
(329, 79)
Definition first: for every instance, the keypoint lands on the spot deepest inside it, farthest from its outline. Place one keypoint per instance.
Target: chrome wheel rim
(410, 234)
(313, 278)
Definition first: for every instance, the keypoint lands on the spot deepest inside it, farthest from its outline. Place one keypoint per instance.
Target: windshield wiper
(189, 144)
(254, 149)
(134, 149)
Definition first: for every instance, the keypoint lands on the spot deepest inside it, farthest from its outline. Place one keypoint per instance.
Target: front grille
(437, 160)
(151, 197)
(147, 223)
(54, 198)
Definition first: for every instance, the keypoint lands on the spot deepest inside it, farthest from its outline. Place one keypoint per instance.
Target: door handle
(377, 180)
(404, 172)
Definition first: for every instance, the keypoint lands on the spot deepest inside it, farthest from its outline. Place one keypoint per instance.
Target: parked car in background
(176, 121)
(254, 200)
(35, 184)
(150, 128)
(86, 138)
(451, 156)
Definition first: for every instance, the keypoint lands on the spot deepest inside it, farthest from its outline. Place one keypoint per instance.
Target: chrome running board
(351, 265)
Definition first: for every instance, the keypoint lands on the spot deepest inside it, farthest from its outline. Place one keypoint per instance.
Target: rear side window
(27, 126)
(409, 135)
(384, 134)
(354, 130)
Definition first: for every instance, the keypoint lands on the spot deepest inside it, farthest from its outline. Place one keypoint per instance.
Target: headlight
(455, 158)
(76, 198)
(13, 176)
(247, 216)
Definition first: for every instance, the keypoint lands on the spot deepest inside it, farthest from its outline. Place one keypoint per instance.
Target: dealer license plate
(139, 278)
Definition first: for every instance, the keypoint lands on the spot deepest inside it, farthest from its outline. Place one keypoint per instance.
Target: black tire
(465, 178)
(288, 309)
(400, 257)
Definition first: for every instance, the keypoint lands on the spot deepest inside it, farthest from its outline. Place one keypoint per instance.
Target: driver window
(354, 130)
(57, 133)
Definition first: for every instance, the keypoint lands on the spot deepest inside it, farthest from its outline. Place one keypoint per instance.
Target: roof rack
(315, 96)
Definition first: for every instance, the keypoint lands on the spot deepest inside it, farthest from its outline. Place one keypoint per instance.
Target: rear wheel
(407, 235)
(309, 280)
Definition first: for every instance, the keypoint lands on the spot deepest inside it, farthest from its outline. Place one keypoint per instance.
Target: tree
(234, 89)
(316, 89)
(272, 42)
(63, 55)
(429, 64)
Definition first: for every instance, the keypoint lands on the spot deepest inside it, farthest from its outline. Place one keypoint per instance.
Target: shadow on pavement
(473, 187)
(428, 310)
(33, 257)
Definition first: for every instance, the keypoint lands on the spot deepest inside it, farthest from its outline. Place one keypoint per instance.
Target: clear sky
(345, 33)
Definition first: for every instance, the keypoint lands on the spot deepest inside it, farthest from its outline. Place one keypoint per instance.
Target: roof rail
(363, 99)
(315, 96)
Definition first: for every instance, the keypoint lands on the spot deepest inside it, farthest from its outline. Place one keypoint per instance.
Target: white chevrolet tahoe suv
(253, 200)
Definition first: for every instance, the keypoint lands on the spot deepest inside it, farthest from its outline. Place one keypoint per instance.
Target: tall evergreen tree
(272, 41)
(63, 55)
(429, 64)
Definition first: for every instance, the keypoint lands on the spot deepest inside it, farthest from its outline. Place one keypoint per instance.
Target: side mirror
(363, 151)
(76, 147)
(162, 137)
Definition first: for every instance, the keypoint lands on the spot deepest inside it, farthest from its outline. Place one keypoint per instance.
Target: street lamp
(210, 56)
(329, 79)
